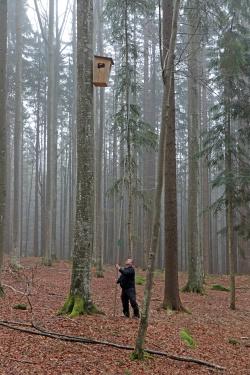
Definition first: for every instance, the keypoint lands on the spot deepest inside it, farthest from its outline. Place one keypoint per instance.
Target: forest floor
(212, 325)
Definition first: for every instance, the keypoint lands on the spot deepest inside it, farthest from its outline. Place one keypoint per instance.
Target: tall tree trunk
(205, 174)
(229, 208)
(79, 300)
(171, 292)
(15, 259)
(28, 205)
(148, 157)
(195, 275)
(128, 136)
(55, 114)
(50, 192)
(167, 74)
(3, 58)
(37, 152)
(99, 160)
(72, 205)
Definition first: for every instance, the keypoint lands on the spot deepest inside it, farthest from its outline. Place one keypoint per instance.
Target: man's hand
(117, 267)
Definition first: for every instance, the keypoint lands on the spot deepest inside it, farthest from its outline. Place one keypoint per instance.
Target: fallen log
(84, 340)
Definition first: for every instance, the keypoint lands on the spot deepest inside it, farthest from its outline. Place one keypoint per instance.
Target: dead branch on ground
(84, 340)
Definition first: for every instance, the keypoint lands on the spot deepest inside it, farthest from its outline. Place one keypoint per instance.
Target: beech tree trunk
(79, 300)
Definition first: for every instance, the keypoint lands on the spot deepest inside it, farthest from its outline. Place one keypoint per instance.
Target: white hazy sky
(44, 11)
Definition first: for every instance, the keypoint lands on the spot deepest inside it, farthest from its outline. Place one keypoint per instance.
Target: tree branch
(40, 22)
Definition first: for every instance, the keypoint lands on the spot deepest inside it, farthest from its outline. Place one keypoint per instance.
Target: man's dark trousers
(128, 295)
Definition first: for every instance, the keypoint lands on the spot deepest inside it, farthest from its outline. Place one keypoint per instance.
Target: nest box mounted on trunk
(101, 70)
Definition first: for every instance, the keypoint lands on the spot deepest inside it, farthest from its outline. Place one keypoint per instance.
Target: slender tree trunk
(229, 209)
(73, 137)
(37, 151)
(50, 192)
(167, 74)
(99, 160)
(195, 276)
(28, 205)
(171, 292)
(147, 156)
(129, 156)
(55, 94)
(204, 175)
(3, 58)
(15, 259)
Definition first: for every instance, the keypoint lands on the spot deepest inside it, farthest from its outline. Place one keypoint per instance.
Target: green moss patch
(220, 288)
(20, 306)
(140, 280)
(187, 338)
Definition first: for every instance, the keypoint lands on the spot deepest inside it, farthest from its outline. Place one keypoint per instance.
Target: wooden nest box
(101, 70)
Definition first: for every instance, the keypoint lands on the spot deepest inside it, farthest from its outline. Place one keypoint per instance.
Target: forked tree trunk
(3, 57)
(167, 74)
(171, 292)
(79, 300)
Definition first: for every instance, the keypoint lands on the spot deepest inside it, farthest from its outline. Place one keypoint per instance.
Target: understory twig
(84, 340)
(13, 289)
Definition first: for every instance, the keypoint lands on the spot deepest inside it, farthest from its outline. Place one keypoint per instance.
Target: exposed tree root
(170, 308)
(85, 340)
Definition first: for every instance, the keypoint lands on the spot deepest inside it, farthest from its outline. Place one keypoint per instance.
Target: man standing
(127, 283)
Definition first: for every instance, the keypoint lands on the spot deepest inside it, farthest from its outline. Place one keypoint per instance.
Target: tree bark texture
(79, 300)
(171, 292)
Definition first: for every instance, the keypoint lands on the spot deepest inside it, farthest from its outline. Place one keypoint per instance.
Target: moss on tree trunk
(193, 287)
(76, 305)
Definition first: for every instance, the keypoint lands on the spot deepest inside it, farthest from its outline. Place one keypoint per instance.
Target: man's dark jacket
(127, 278)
